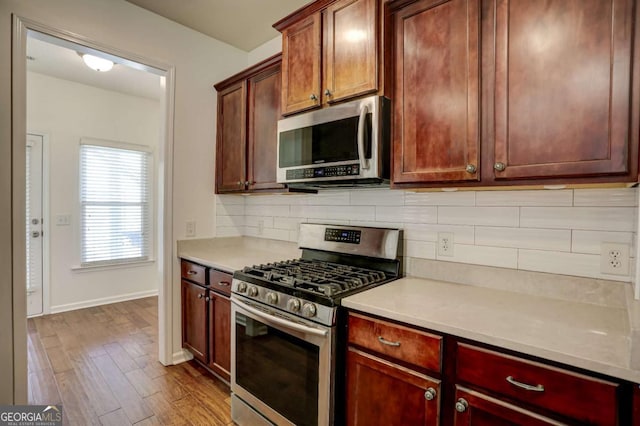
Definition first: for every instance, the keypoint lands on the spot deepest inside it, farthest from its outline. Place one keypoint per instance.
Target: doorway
(162, 175)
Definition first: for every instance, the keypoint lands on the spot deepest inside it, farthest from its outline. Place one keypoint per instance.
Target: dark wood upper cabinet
(330, 52)
(247, 138)
(436, 91)
(231, 146)
(301, 56)
(562, 87)
(512, 92)
(262, 134)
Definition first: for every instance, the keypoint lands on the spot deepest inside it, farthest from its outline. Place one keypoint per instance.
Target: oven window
(279, 369)
(323, 143)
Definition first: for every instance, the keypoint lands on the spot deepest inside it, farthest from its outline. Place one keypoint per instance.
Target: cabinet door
(382, 393)
(562, 93)
(220, 334)
(194, 320)
(350, 60)
(476, 409)
(231, 143)
(264, 111)
(436, 91)
(301, 54)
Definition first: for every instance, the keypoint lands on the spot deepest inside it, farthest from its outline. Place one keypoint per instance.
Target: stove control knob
(272, 298)
(253, 291)
(242, 287)
(293, 305)
(309, 310)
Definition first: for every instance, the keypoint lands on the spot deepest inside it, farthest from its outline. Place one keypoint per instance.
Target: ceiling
(58, 58)
(245, 24)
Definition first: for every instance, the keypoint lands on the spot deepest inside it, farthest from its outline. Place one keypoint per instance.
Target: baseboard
(103, 301)
(181, 356)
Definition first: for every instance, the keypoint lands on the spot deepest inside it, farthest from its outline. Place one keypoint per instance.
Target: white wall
(199, 61)
(555, 231)
(265, 50)
(67, 111)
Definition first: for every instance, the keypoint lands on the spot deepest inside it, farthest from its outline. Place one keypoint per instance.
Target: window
(115, 203)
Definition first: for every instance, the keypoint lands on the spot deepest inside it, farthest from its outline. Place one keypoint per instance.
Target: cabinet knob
(313, 97)
(200, 295)
(249, 182)
(471, 169)
(327, 92)
(430, 394)
(240, 183)
(461, 405)
(499, 166)
(206, 299)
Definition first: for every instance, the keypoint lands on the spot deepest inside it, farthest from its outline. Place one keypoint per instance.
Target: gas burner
(320, 277)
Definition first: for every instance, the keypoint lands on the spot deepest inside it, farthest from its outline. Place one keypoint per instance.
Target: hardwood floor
(101, 364)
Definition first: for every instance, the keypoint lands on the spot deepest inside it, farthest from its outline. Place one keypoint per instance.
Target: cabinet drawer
(220, 281)
(580, 397)
(193, 272)
(402, 343)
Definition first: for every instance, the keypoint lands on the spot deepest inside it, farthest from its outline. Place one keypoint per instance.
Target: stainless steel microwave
(345, 144)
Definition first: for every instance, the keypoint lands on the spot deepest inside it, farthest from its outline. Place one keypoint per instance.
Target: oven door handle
(279, 321)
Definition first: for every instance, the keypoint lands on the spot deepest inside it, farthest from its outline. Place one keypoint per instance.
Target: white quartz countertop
(232, 253)
(583, 335)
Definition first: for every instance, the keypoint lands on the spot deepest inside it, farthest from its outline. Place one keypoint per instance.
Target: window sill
(114, 266)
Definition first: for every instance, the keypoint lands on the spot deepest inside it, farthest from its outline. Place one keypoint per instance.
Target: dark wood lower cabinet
(220, 335)
(477, 409)
(380, 392)
(194, 320)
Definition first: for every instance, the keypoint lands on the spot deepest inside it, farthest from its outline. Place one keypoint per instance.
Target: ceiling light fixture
(96, 63)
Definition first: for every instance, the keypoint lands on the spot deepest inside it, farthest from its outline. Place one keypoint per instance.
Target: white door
(34, 226)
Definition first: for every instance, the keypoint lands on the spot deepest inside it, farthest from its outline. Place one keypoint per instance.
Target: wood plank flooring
(101, 364)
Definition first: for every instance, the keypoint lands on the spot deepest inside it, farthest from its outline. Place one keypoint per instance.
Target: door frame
(46, 295)
(166, 261)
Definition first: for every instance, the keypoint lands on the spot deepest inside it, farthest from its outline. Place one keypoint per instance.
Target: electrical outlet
(614, 258)
(190, 230)
(63, 220)
(445, 243)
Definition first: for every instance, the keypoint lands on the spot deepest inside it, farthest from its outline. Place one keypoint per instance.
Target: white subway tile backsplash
(481, 255)
(546, 231)
(525, 198)
(377, 197)
(406, 214)
(230, 209)
(264, 210)
(529, 238)
(589, 242)
(463, 198)
(614, 197)
(429, 232)
(582, 265)
(487, 216)
(585, 218)
(420, 249)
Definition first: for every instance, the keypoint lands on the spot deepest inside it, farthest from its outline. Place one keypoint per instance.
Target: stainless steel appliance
(287, 328)
(346, 144)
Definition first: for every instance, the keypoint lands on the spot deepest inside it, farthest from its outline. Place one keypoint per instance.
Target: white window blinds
(115, 202)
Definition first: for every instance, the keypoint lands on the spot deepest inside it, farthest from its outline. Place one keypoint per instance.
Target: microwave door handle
(364, 162)
(278, 321)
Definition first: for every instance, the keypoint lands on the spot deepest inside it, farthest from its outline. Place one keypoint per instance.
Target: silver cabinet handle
(387, 342)
(224, 283)
(327, 92)
(192, 272)
(514, 382)
(430, 394)
(364, 162)
(499, 166)
(471, 169)
(313, 97)
(462, 405)
(200, 295)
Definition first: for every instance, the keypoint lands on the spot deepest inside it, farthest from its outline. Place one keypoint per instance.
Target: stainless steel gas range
(287, 331)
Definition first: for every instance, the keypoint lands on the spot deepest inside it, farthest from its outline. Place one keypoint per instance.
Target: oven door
(280, 365)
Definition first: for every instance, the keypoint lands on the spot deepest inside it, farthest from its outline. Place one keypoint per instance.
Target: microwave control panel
(323, 172)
